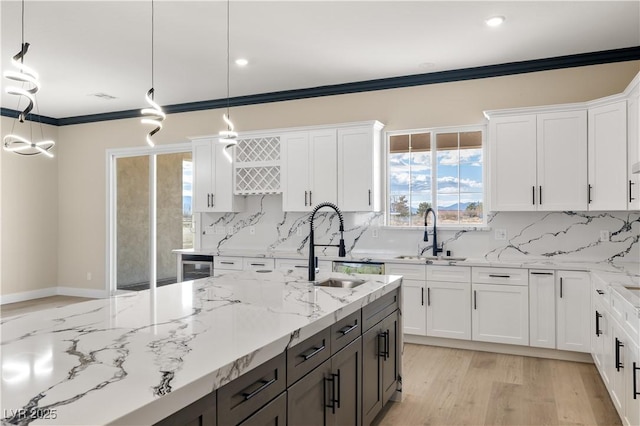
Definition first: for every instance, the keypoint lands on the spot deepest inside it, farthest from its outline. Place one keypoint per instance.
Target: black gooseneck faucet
(435, 250)
(312, 245)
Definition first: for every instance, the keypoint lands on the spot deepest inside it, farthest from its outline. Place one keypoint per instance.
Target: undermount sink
(340, 282)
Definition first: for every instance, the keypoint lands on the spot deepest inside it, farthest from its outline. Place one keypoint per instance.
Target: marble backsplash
(568, 236)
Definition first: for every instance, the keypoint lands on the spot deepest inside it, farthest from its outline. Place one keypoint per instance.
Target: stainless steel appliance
(196, 266)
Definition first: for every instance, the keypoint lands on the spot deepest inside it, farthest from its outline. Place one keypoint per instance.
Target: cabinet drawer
(379, 309)
(346, 331)
(243, 396)
(257, 263)
(307, 355)
(510, 276)
(295, 264)
(224, 262)
(632, 322)
(274, 413)
(202, 412)
(456, 274)
(410, 272)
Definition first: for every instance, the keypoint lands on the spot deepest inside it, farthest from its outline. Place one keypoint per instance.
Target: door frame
(111, 260)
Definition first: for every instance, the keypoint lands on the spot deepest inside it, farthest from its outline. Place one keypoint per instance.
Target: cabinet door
(608, 157)
(573, 310)
(414, 312)
(346, 370)
(200, 413)
(599, 320)
(371, 374)
(308, 397)
(633, 149)
(562, 161)
(203, 160)
(324, 167)
(223, 199)
(295, 173)
(632, 385)
(359, 168)
(512, 144)
(500, 314)
(542, 309)
(449, 310)
(391, 356)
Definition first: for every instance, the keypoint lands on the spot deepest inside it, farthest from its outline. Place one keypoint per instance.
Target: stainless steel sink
(340, 282)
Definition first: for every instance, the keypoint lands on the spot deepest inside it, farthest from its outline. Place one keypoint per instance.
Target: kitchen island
(141, 357)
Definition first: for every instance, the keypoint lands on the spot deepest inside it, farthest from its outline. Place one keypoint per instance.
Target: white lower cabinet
(542, 309)
(573, 289)
(632, 385)
(500, 313)
(449, 302)
(413, 296)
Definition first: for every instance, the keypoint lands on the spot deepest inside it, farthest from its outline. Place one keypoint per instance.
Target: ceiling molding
(569, 61)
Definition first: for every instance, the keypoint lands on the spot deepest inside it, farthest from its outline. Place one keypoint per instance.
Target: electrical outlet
(605, 236)
(374, 232)
(89, 276)
(500, 234)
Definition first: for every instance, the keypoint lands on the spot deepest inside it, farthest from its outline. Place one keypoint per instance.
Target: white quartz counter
(137, 358)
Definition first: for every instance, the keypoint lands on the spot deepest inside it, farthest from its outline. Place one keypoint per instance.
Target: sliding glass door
(150, 215)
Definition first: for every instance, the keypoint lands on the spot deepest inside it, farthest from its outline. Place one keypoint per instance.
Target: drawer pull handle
(348, 329)
(301, 266)
(334, 399)
(542, 273)
(619, 345)
(589, 187)
(560, 288)
(533, 195)
(631, 198)
(227, 263)
(314, 352)
(305, 198)
(475, 300)
(258, 264)
(599, 291)
(428, 296)
(635, 381)
(264, 384)
(598, 316)
(499, 276)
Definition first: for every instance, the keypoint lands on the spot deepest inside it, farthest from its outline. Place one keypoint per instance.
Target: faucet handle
(315, 262)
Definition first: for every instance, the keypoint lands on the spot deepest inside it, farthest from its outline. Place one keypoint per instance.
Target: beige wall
(81, 152)
(29, 218)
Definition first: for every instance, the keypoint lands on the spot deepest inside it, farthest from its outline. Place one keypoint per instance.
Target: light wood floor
(11, 309)
(443, 386)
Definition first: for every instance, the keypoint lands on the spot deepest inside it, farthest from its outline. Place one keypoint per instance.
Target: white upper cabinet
(360, 168)
(213, 179)
(539, 161)
(512, 145)
(310, 169)
(608, 184)
(633, 147)
(562, 161)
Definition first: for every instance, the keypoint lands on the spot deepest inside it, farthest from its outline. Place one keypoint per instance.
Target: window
(439, 168)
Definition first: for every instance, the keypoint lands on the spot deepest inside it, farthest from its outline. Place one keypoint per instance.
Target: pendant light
(154, 115)
(30, 86)
(229, 135)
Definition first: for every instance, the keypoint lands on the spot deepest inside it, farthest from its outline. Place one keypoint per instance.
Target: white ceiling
(81, 48)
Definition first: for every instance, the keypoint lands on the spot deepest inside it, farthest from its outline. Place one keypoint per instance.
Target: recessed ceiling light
(241, 62)
(495, 21)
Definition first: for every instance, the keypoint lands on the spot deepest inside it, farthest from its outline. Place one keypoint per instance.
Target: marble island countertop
(139, 357)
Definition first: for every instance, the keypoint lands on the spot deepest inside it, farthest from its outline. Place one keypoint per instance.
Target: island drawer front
(346, 331)
(408, 271)
(510, 276)
(202, 412)
(224, 262)
(274, 413)
(456, 274)
(307, 355)
(243, 396)
(257, 263)
(379, 309)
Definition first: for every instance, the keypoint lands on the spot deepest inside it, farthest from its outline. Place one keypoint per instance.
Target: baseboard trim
(27, 295)
(52, 291)
(500, 348)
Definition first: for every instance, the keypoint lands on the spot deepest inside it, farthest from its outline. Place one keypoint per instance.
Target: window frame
(434, 131)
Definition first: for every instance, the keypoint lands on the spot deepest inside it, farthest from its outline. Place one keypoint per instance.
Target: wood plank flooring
(443, 386)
